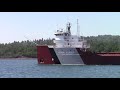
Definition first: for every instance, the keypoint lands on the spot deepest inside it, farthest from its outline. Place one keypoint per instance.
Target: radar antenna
(68, 28)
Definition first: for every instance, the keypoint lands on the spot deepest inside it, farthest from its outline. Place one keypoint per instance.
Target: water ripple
(30, 69)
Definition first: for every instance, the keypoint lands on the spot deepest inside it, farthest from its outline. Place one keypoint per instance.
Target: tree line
(16, 49)
(104, 43)
(22, 49)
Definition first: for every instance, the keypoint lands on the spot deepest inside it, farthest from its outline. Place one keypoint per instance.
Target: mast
(78, 32)
(68, 28)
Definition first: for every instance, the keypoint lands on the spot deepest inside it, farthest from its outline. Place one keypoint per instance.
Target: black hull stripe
(80, 52)
(56, 60)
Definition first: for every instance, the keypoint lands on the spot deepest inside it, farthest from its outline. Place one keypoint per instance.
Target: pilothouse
(63, 38)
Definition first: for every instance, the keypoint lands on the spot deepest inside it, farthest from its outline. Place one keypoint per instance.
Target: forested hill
(22, 49)
(101, 43)
(104, 43)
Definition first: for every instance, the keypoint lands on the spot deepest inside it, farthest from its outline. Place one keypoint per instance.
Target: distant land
(23, 49)
(27, 49)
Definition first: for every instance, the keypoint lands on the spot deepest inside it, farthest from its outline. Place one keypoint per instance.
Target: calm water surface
(30, 69)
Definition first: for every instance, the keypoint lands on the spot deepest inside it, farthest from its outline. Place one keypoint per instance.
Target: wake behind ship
(73, 50)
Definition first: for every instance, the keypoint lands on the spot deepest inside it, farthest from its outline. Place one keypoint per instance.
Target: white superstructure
(64, 38)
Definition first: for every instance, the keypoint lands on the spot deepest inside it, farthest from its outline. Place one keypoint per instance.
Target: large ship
(73, 50)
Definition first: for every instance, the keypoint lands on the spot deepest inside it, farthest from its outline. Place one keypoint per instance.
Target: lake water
(31, 69)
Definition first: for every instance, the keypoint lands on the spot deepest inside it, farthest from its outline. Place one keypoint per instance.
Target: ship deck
(109, 54)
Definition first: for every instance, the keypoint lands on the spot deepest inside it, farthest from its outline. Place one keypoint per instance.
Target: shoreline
(20, 58)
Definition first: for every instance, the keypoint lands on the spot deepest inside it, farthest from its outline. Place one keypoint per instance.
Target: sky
(19, 26)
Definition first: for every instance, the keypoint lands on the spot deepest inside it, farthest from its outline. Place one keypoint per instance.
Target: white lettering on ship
(67, 53)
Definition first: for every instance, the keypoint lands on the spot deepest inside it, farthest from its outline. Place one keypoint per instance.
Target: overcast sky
(15, 26)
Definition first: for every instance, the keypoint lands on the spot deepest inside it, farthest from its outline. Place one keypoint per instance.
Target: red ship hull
(75, 56)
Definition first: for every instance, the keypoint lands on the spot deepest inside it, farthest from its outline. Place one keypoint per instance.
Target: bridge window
(64, 38)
